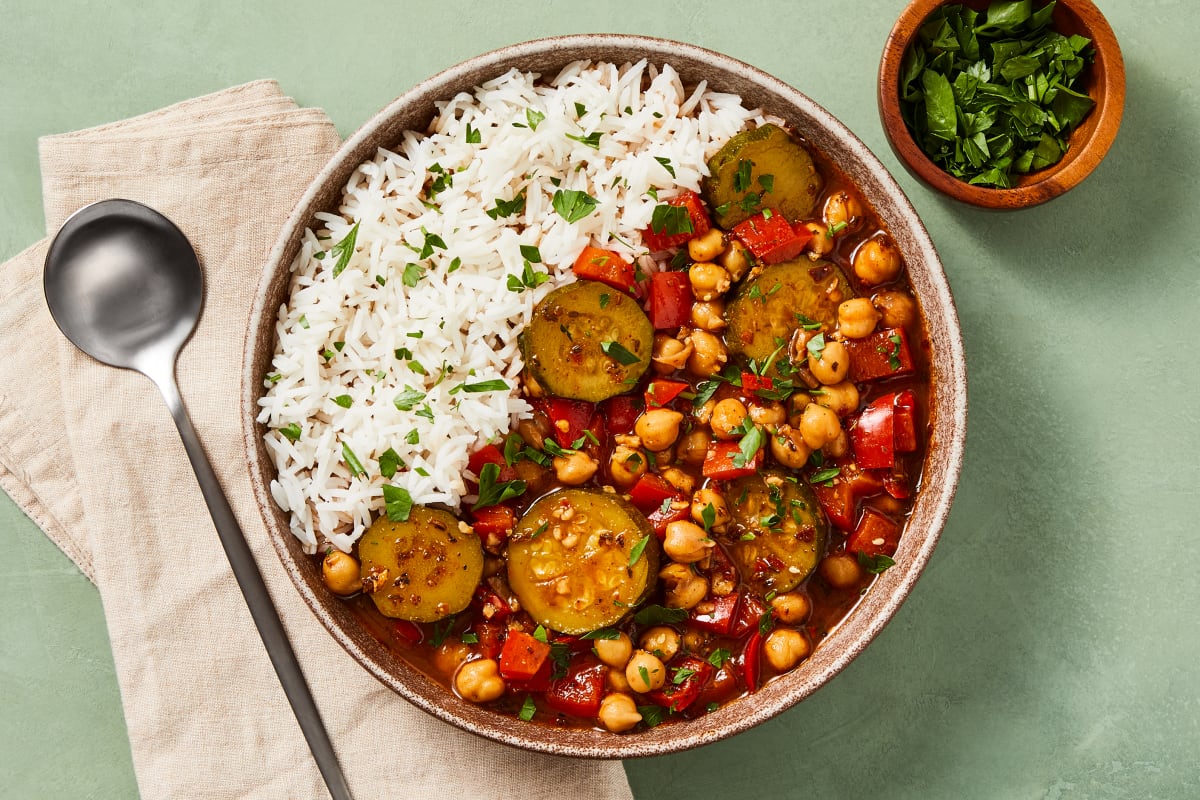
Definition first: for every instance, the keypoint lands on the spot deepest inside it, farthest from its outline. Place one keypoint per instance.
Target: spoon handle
(266, 618)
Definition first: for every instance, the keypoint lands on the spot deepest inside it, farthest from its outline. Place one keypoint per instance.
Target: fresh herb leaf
(413, 437)
(580, 110)
(506, 208)
(705, 391)
(651, 715)
(528, 709)
(682, 674)
(492, 491)
(495, 385)
(540, 634)
(645, 675)
(528, 279)
(603, 633)
(408, 398)
(534, 118)
(573, 205)
(666, 163)
(291, 431)
(767, 182)
(397, 502)
(412, 274)
(719, 656)
(473, 136)
(748, 446)
(604, 301)
(636, 552)
(816, 346)
(741, 178)
(344, 250)
(470, 637)
(617, 352)
(825, 475)
(344, 400)
(356, 467)
(660, 615)
(389, 462)
(876, 564)
(592, 140)
(708, 515)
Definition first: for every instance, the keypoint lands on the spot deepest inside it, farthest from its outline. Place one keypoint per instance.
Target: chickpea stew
(721, 459)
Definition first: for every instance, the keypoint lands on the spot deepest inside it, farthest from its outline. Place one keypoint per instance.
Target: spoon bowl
(124, 285)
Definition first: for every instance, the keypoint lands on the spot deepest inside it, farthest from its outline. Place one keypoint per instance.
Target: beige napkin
(90, 453)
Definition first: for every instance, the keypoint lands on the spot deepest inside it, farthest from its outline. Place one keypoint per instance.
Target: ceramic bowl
(948, 402)
(1103, 81)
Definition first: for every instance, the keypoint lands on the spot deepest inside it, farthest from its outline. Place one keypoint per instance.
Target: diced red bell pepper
(522, 656)
(721, 686)
(749, 616)
(671, 300)
(874, 535)
(905, 426)
(660, 392)
(771, 238)
(719, 461)
(697, 215)
(896, 484)
(883, 354)
(491, 605)
(751, 383)
(838, 501)
(661, 519)
(408, 631)
(678, 696)
(579, 693)
(493, 519)
(872, 436)
(490, 454)
(721, 618)
(568, 418)
(650, 491)
(605, 266)
(491, 637)
(540, 682)
(621, 413)
(751, 661)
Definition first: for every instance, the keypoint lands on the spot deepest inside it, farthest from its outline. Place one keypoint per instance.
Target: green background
(1051, 648)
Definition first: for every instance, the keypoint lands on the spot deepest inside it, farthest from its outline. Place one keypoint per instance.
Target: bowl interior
(414, 110)
(1103, 81)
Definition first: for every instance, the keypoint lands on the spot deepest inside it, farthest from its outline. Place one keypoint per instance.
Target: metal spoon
(123, 283)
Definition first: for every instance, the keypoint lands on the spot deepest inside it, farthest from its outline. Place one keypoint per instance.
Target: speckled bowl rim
(948, 401)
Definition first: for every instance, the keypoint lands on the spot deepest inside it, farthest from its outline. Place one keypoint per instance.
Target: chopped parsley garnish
(473, 136)
(670, 220)
(604, 301)
(344, 249)
(719, 657)
(592, 140)
(825, 476)
(767, 182)
(432, 240)
(413, 437)
(645, 675)
(704, 392)
(407, 399)
(528, 279)
(441, 630)
(492, 491)
(573, 205)
(389, 462)
(603, 633)
(531, 254)
(618, 353)
(291, 431)
(666, 163)
(748, 446)
(470, 637)
(651, 715)
(741, 178)
(836, 228)
(636, 552)
(397, 502)
(876, 564)
(303, 321)
(528, 709)
(540, 634)
(682, 674)
(808, 323)
(356, 467)
(580, 109)
(708, 515)
(412, 274)
(426, 412)
(534, 118)
(506, 208)
(344, 400)
(495, 385)
(816, 346)
(660, 615)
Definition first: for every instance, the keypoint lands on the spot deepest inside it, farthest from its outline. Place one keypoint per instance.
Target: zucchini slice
(772, 305)
(788, 529)
(762, 168)
(587, 341)
(423, 569)
(580, 560)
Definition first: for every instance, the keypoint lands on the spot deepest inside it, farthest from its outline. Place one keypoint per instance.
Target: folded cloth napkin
(91, 455)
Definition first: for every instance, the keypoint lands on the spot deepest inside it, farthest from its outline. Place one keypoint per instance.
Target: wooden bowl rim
(948, 401)
(1038, 187)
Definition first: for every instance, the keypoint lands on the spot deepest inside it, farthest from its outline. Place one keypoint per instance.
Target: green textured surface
(1051, 649)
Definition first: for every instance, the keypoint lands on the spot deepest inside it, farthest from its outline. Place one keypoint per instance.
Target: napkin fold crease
(91, 455)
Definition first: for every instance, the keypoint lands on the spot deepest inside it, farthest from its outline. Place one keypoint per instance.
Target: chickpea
(708, 246)
(791, 608)
(840, 398)
(615, 652)
(709, 281)
(857, 318)
(703, 414)
(449, 655)
(789, 448)
(479, 681)
(681, 480)
(709, 316)
(693, 446)
(686, 542)
(839, 447)
(736, 260)
(616, 680)
(694, 640)
(618, 712)
(841, 571)
(727, 418)
(877, 261)
(771, 413)
(897, 309)
(821, 243)
(645, 672)
(842, 210)
(833, 365)
(684, 588)
(819, 426)
(575, 468)
(706, 497)
(669, 354)
(626, 466)
(658, 428)
(662, 641)
(708, 356)
(341, 574)
(785, 648)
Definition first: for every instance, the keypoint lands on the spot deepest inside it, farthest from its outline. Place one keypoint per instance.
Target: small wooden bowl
(1103, 81)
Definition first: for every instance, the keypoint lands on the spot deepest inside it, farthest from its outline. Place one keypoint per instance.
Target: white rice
(338, 336)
